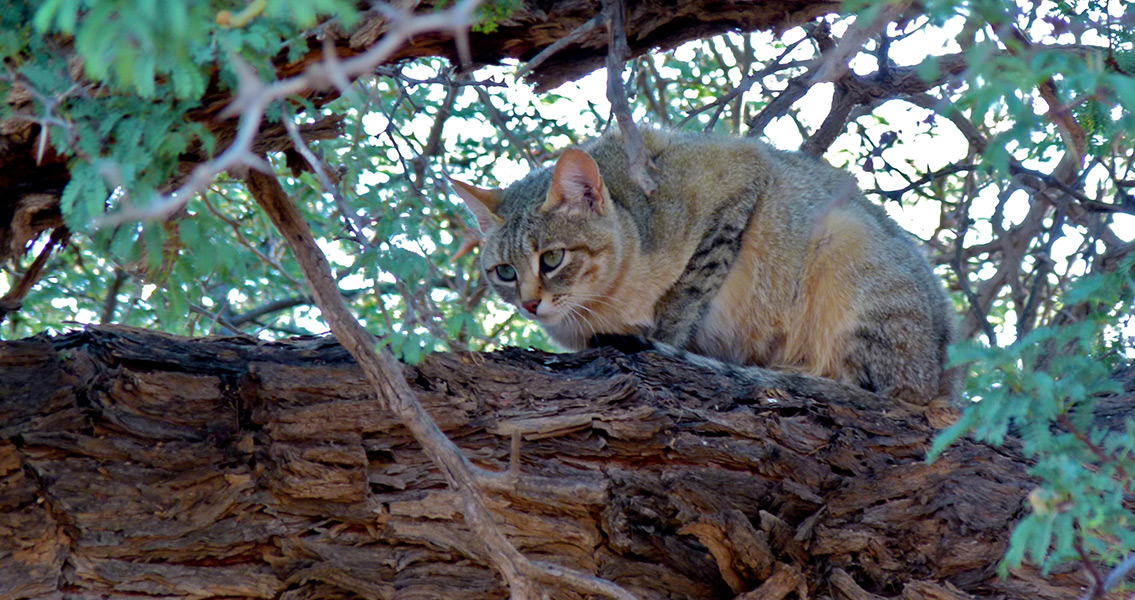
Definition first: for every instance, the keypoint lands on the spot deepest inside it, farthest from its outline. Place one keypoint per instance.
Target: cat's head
(551, 243)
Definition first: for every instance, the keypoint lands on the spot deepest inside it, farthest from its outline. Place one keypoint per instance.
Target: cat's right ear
(483, 203)
(576, 185)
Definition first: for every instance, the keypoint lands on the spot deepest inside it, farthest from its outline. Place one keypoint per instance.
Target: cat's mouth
(544, 313)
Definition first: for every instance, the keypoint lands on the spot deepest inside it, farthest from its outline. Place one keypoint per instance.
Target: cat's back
(827, 283)
(824, 281)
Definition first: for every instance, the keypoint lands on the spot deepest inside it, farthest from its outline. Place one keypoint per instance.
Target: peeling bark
(139, 463)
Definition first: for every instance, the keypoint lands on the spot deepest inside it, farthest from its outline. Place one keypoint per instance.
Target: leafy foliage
(1046, 388)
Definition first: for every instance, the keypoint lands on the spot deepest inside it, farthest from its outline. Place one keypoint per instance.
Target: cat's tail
(796, 384)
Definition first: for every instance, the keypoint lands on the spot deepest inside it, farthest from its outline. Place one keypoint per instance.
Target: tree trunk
(141, 464)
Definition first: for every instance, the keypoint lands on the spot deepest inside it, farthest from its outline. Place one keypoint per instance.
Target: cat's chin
(565, 332)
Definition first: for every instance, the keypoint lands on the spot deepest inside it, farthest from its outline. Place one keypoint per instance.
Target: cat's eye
(551, 259)
(506, 273)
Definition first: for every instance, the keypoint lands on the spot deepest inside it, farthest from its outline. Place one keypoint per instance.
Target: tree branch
(384, 375)
(254, 97)
(14, 299)
(640, 164)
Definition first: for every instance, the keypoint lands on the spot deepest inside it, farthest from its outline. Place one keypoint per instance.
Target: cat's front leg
(627, 343)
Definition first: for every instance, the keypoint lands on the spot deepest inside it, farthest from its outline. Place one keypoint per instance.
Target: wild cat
(744, 253)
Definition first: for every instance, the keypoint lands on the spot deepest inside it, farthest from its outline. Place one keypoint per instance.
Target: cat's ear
(576, 185)
(483, 203)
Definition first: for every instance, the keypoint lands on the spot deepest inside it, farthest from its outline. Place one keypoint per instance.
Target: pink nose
(531, 305)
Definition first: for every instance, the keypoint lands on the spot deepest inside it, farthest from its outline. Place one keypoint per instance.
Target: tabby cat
(744, 253)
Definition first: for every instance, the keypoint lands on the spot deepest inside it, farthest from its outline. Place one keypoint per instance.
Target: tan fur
(814, 280)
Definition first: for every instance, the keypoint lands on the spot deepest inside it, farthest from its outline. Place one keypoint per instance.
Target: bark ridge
(138, 463)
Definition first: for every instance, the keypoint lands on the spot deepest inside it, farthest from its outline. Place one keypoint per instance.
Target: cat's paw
(625, 343)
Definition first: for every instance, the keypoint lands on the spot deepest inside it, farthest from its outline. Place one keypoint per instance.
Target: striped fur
(744, 254)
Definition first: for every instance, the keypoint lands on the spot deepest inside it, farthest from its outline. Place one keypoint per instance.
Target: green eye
(506, 273)
(551, 259)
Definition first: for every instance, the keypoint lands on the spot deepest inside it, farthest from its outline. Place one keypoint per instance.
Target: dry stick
(834, 63)
(617, 94)
(774, 67)
(796, 88)
(384, 373)
(244, 241)
(1075, 139)
(1044, 265)
(502, 125)
(254, 97)
(957, 264)
(897, 194)
(844, 99)
(433, 139)
(560, 44)
(14, 299)
(351, 218)
(110, 302)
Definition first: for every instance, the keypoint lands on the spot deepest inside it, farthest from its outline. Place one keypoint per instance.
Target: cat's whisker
(603, 321)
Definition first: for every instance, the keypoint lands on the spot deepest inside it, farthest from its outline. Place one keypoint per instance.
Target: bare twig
(252, 315)
(797, 86)
(569, 39)
(617, 94)
(254, 97)
(351, 218)
(963, 278)
(928, 178)
(433, 141)
(834, 63)
(244, 241)
(502, 125)
(774, 67)
(14, 299)
(110, 301)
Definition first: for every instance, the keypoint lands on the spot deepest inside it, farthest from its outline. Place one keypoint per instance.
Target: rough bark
(136, 463)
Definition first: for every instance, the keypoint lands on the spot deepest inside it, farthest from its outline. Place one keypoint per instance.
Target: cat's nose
(531, 305)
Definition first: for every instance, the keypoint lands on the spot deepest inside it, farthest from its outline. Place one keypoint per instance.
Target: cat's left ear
(483, 203)
(577, 185)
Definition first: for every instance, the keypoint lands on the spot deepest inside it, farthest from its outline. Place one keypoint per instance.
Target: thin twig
(243, 241)
(502, 125)
(774, 67)
(834, 63)
(928, 178)
(569, 39)
(962, 219)
(617, 94)
(14, 299)
(351, 218)
(254, 97)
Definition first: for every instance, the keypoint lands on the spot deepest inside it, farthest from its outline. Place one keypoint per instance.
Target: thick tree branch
(137, 463)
